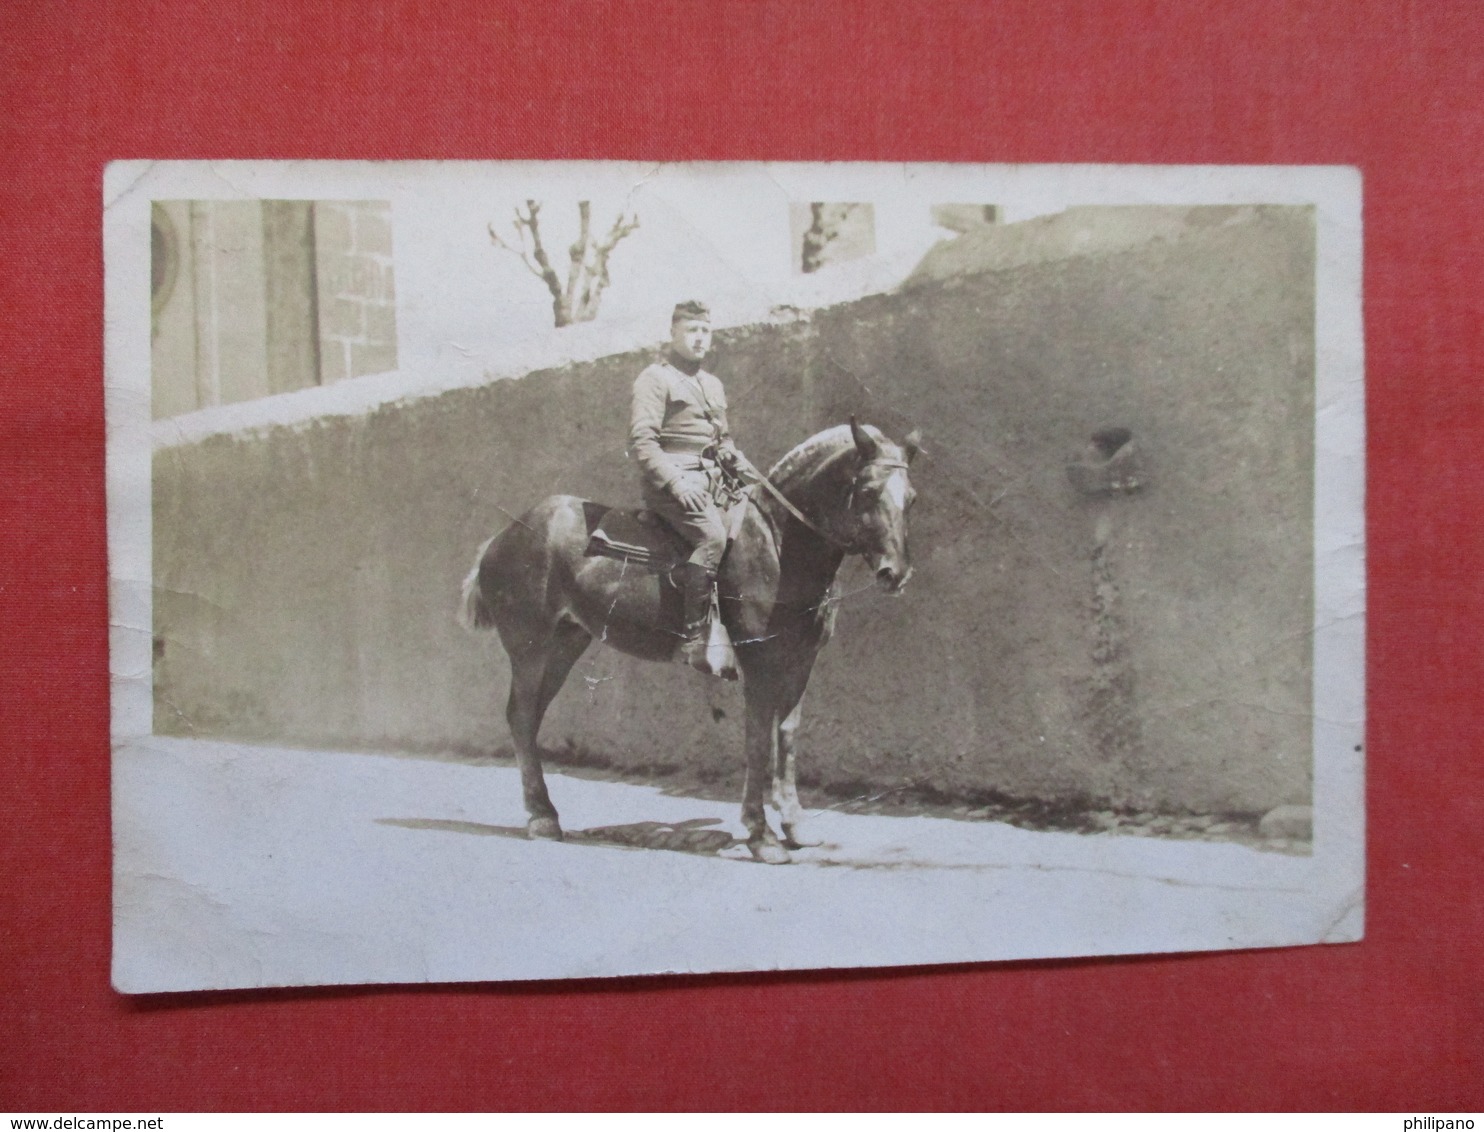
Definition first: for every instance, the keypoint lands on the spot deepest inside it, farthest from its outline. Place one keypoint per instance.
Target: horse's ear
(913, 444)
(864, 443)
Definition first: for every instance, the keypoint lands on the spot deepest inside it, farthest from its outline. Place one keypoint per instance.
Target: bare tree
(837, 232)
(821, 231)
(587, 273)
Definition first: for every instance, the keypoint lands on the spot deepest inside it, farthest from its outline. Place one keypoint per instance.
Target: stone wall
(357, 293)
(1149, 648)
(257, 297)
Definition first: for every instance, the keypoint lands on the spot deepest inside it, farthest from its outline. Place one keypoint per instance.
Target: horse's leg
(762, 736)
(785, 782)
(568, 644)
(534, 682)
(523, 712)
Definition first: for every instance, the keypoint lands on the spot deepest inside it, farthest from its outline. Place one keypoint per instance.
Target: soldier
(688, 464)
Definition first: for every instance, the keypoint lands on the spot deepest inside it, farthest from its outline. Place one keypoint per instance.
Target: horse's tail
(474, 610)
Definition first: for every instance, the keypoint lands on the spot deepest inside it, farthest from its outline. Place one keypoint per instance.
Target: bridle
(767, 486)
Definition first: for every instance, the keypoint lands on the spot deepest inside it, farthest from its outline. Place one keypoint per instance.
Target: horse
(844, 491)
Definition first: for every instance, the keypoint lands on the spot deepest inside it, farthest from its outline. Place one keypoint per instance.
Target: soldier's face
(691, 338)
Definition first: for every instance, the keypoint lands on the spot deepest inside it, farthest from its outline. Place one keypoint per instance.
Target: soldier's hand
(737, 464)
(691, 498)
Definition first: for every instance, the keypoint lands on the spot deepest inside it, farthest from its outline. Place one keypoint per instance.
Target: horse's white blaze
(896, 488)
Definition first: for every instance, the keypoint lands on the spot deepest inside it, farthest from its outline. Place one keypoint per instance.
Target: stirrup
(710, 650)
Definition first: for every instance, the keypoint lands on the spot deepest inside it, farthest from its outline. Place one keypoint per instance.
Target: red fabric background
(1396, 1022)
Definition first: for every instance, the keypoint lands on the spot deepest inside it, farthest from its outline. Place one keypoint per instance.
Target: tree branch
(577, 268)
(597, 276)
(518, 252)
(531, 224)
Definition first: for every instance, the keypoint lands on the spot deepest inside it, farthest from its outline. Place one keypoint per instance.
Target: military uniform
(678, 436)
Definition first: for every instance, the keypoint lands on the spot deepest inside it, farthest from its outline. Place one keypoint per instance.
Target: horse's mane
(812, 455)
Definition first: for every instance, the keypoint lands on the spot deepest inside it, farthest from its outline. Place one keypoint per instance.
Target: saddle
(639, 537)
(642, 538)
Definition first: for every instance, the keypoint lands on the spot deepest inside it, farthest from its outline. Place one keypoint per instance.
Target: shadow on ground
(690, 836)
(907, 799)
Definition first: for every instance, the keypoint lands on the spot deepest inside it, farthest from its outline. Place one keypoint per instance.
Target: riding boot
(695, 587)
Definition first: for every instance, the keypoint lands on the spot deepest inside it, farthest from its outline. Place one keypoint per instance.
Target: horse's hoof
(769, 852)
(800, 835)
(544, 829)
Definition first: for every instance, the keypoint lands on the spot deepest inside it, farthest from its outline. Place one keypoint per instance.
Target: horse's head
(880, 496)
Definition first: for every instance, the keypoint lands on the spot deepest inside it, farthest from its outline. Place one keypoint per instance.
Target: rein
(767, 486)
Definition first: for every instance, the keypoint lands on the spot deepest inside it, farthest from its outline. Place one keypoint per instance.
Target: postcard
(543, 570)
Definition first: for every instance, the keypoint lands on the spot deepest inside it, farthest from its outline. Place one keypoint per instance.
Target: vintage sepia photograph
(541, 570)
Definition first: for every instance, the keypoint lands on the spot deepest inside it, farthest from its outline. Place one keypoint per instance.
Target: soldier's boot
(695, 586)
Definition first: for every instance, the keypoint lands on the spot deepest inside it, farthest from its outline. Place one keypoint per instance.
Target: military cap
(691, 308)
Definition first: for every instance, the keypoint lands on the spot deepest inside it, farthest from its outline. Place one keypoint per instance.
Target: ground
(911, 799)
(254, 866)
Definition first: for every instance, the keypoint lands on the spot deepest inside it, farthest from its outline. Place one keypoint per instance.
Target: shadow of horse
(690, 836)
